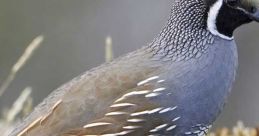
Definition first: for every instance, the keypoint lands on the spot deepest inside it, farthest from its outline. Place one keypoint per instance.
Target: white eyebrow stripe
(122, 105)
(96, 124)
(147, 80)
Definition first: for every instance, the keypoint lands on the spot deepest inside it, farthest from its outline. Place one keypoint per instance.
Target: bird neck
(185, 36)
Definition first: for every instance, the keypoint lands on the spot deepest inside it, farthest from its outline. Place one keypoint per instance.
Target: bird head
(248, 7)
(224, 16)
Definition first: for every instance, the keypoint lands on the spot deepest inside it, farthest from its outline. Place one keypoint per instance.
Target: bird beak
(252, 9)
(254, 15)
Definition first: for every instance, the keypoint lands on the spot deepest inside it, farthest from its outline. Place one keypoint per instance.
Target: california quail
(177, 85)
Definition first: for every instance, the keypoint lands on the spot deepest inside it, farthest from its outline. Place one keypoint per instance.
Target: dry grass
(21, 62)
(23, 104)
(238, 130)
(108, 49)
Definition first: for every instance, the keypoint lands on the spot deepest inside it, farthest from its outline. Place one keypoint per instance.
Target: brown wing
(132, 114)
(87, 99)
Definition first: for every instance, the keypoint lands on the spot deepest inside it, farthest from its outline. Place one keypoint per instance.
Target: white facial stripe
(211, 21)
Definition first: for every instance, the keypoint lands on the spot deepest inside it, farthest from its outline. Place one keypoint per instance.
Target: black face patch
(230, 18)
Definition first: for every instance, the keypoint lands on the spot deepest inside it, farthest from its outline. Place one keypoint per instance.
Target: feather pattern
(175, 86)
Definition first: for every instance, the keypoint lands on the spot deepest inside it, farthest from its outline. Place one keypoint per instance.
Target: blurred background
(74, 41)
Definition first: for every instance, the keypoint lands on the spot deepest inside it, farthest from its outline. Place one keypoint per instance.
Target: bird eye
(232, 3)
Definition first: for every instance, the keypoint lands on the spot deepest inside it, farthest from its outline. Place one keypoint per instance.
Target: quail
(175, 86)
